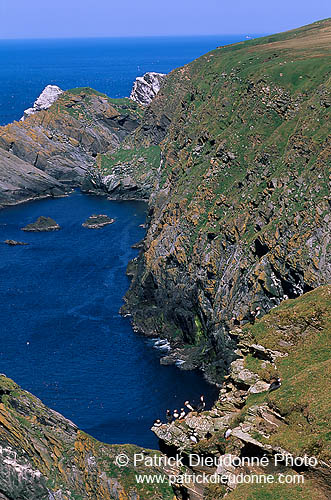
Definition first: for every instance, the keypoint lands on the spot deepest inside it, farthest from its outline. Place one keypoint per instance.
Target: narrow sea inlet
(62, 337)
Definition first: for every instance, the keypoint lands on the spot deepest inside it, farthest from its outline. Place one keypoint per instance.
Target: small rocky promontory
(42, 224)
(97, 221)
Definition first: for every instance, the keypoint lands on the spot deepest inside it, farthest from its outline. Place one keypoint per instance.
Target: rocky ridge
(64, 140)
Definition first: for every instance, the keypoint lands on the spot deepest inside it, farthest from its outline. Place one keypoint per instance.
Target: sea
(62, 337)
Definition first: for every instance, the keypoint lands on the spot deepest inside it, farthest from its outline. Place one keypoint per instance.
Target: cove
(62, 337)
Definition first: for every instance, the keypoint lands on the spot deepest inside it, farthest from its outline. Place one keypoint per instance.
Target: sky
(109, 18)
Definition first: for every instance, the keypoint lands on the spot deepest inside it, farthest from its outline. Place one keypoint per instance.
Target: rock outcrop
(20, 181)
(65, 139)
(146, 87)
(42, 224)
(14, 243)
(98, 221)
(48, 96)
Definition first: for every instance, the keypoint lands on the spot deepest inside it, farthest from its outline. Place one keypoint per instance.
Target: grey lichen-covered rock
(97, 221)
(146, 87)
(42, 224)
(242, 375)
(21, 181)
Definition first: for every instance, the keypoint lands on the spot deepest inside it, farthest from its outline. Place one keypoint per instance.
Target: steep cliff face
(44, 456)
(239, 214)
(291, 342)
(65, 139)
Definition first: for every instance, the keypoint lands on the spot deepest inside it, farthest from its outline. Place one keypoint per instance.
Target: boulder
(15, 243)
(98, 221)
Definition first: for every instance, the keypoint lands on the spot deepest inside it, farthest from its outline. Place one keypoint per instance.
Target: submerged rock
(98, 221)
(42, 224)
(49, 95)
(15, 243)
(146, 87)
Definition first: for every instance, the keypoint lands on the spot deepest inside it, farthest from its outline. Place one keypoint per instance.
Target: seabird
(201, 405)
(275, 385)
(169, 417)
(194, 437)
(182, 414)
(157, 423)
(227, 433)
(189, 406)
(176, 414)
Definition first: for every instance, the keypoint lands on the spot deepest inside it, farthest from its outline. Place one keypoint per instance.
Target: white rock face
(49, 95)
(146, 87)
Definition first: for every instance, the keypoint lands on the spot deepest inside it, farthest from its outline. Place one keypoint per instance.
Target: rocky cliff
(233, 156)
(21, 181)
(239, 215)
(65, 139)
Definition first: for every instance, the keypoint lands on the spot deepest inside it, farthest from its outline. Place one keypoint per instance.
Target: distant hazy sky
(107, 18)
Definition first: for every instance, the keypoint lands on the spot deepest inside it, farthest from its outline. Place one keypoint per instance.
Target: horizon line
(132, 36)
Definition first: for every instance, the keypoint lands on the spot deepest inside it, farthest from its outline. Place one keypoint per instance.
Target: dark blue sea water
(62, 337)
(108, 65)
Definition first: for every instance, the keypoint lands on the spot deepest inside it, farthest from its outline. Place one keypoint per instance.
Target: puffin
(194, 437)
(227, 433)
(182, 414)
(275, 384)
(175, 414)
(157, 423)
(189, 406)
(169, 417)
(201, 405)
